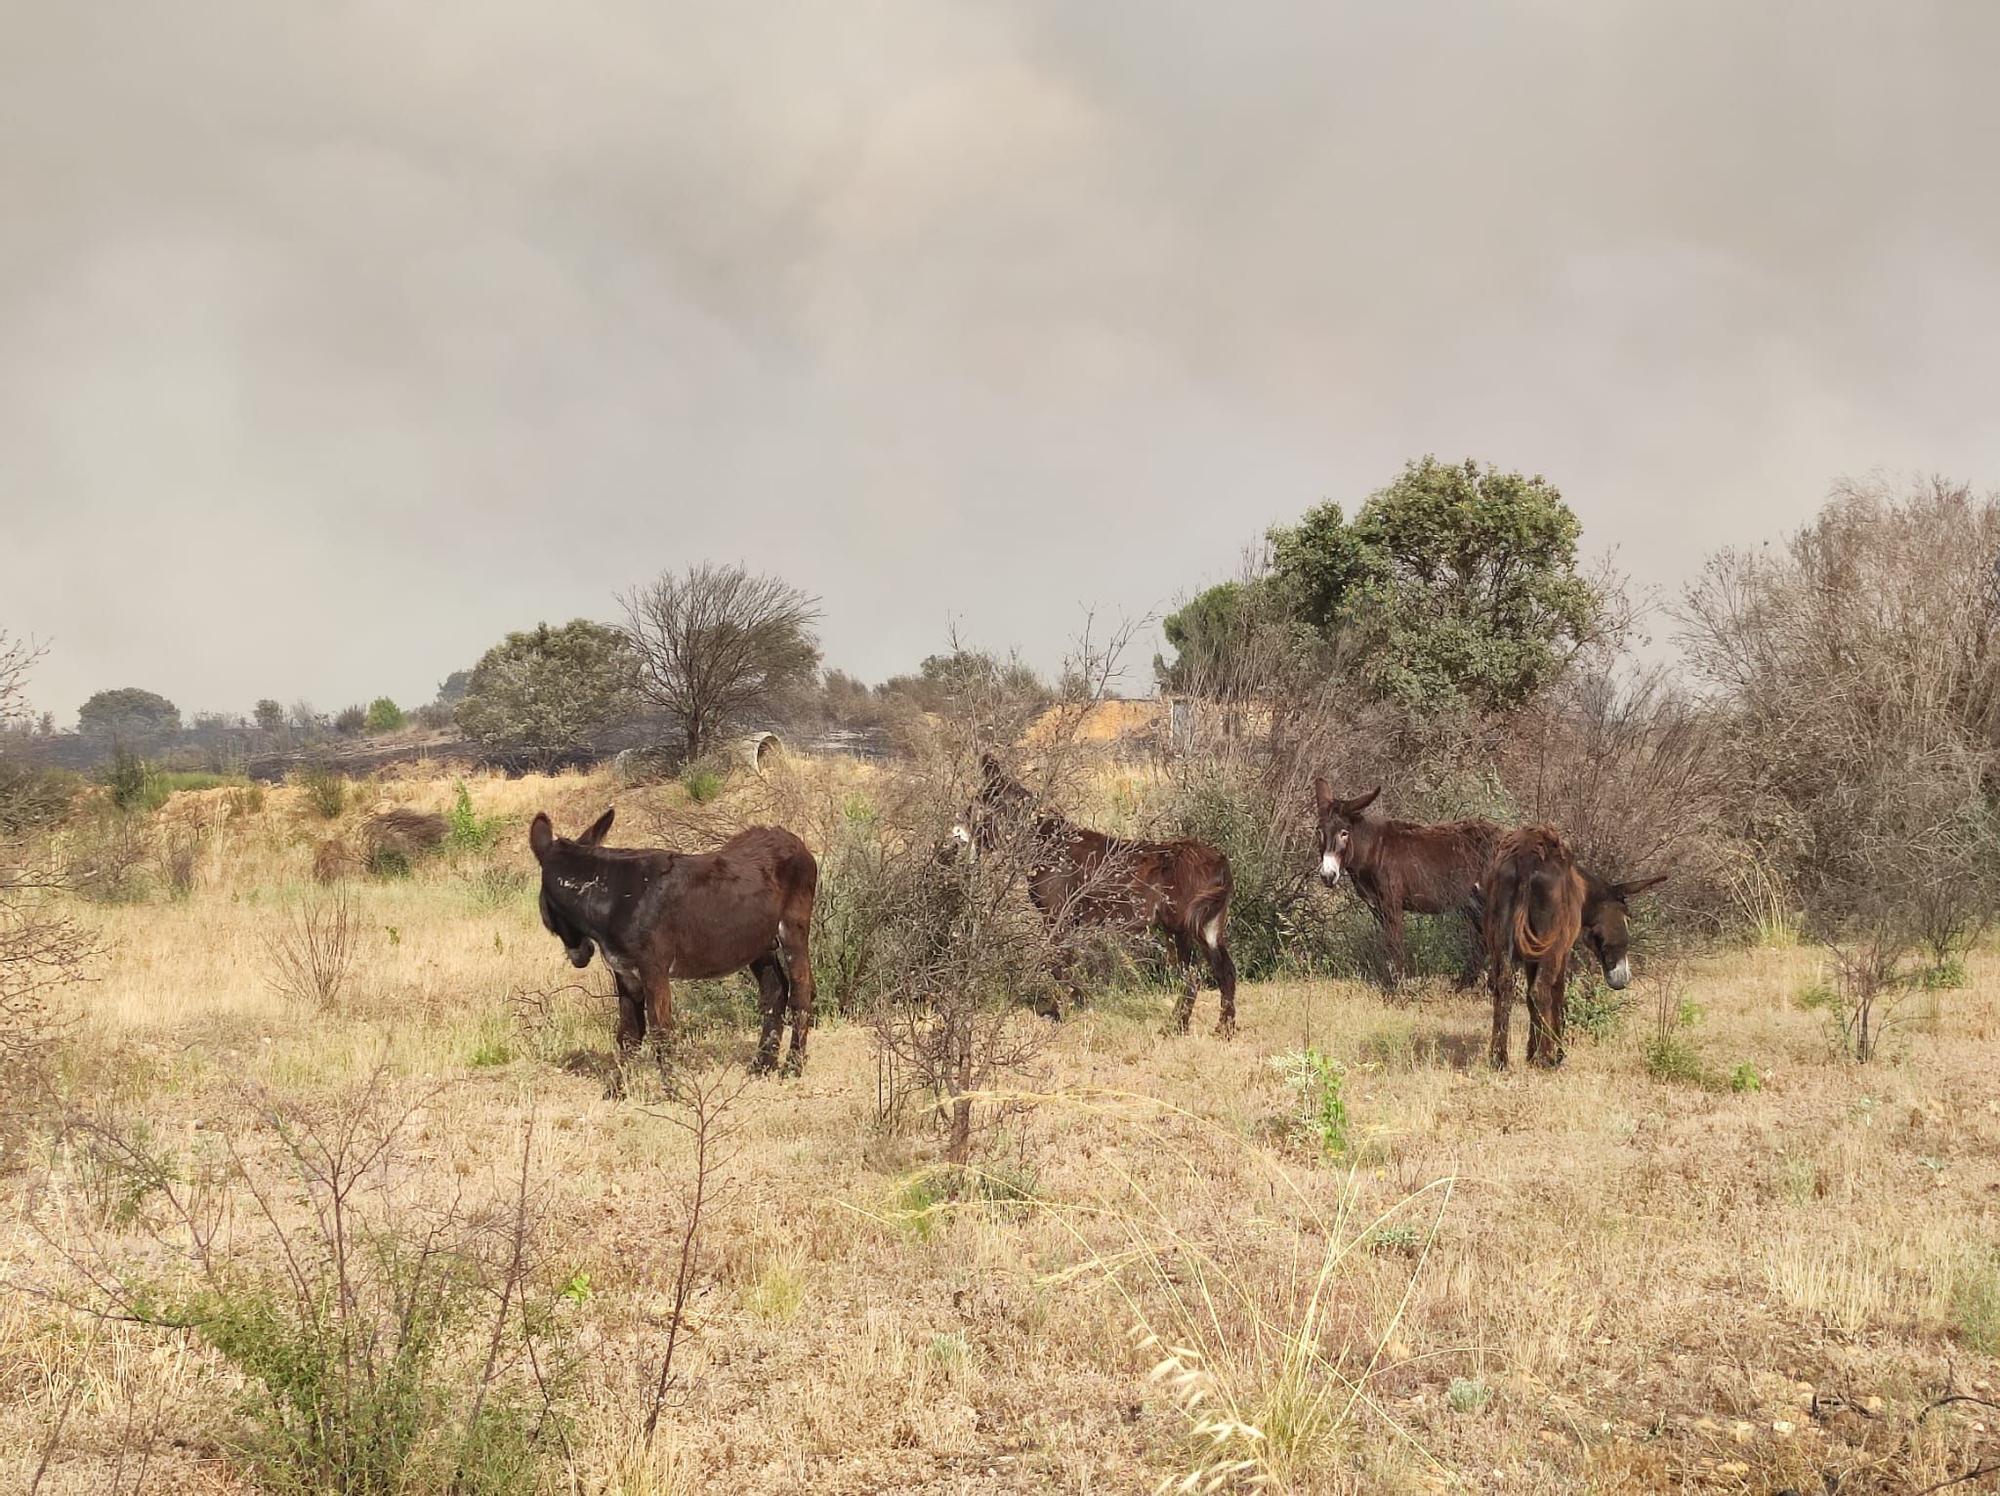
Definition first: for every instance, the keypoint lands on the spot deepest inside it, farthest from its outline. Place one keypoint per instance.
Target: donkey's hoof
(764, 1064)
(793, 1068)
(1226, 1029)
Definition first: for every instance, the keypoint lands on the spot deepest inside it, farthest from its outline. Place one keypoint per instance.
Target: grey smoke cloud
(340, 339)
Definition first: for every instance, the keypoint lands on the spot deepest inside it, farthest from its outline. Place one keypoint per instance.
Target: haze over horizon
(342, 340)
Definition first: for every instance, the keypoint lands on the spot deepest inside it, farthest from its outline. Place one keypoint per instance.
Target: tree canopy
(716, 644)
(1454, 586)
(546, 693)
(126, 712)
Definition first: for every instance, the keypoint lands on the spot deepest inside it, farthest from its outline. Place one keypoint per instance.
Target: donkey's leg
(1190, 979)
(1558, 1008)
(1223, 965)
(800, 993)
(1062, 965)
(1475, 956)
(631, 1016)
(660, 1008)
(771, 1010)
(1392, 941)
(1500, 979)
(1540, 1040)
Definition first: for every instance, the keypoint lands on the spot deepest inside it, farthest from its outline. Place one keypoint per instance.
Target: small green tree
(384, 715)
(127, 712)
(270, 716)
(550, 692)
(1454, 587)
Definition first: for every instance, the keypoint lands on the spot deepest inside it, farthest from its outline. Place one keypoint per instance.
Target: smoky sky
(339, 338)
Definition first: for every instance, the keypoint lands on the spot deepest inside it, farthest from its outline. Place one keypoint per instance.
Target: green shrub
(1595, 1009)
(384, 1346)
(1944, 975)
(1670, 1057)
(325, 791)
(388, 862)
(132, 782)
(384, 716)
(1976, 1304)
(1468, 1394)
(703, 781)
(492, 1049)
(1320, 1116)
(467, 830)
(1745, 1080)
(497, 887)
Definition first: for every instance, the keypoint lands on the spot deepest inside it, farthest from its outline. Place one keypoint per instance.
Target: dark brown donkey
(657, 915)
(1538, 902)
(1400, 866)
(1082, 877)
(1533, 916)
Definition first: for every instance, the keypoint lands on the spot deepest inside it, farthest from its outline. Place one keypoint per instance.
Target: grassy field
(1177, 1257)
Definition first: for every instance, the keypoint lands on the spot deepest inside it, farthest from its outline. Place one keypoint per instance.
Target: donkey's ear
(1322, 795)
(541, 836)
(597, 830)
(1639, 885)
(1360, 803)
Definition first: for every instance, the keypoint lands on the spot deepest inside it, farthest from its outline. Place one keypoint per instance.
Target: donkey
(1082, 877)
(657, 915)
(1538, 903)
(1401, 865)
(1533, 917)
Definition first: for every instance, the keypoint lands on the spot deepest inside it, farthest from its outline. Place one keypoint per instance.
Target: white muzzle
(1619, 976)
(1329, 867)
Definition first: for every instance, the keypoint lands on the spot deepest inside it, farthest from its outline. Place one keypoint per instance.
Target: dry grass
(1586, 1281)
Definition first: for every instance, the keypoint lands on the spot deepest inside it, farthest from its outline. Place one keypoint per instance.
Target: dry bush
(334, 860)
(42, 949)
(388, 1340)
(717, 643)
(408, 832)
(967, 960)
(700, 1105)
(180, 858)
(312, 953)
(1858, 686)
(1636, 774)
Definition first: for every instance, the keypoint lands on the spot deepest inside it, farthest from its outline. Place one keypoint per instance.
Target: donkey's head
(1606, 907)
(974, 830)
(1337, 818)
(562, 881)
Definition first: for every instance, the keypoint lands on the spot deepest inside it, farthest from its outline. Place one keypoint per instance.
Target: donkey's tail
(1529, 945)
(1209, 912)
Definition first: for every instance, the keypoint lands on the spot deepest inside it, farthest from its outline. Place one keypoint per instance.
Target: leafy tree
(127, 712)
(349, 720)
(548, 693)
(718, 643)
(452, 689)
(384, 715)
(1454, 587)
(270, 716)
